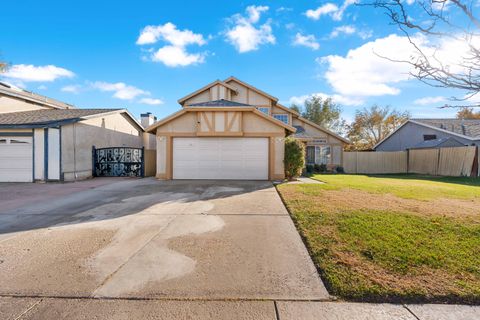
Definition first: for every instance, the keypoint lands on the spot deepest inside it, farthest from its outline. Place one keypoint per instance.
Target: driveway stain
(138, 252)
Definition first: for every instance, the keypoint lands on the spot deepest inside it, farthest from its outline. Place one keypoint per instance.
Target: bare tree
(448, 20)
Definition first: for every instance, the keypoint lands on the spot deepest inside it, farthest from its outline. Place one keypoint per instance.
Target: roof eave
(232, 78)
(181, 101)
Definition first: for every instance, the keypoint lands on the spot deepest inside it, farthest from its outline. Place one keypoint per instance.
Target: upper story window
(265, 110)
(282, 117)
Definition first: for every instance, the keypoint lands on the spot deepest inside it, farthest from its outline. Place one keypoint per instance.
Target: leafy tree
(294, 160)
(372, 125)
(295, 108)
(468, 113)
(323, 112)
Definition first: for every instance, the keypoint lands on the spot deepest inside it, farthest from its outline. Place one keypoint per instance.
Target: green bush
(294, 160)
(310, 168)
(320, 168)
(340, 169)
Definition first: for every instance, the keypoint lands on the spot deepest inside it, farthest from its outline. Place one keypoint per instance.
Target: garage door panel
(220, 158)
(16, 164)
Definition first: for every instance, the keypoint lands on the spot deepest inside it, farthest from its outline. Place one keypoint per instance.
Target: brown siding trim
(271, 156)
(219, 134)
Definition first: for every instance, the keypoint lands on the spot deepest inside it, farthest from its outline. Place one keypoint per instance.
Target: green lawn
(406, 186)
(374, 238)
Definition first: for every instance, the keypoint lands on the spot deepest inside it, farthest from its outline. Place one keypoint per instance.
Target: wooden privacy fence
(460, 161)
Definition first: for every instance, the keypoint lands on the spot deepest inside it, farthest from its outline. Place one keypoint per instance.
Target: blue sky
(145, 55)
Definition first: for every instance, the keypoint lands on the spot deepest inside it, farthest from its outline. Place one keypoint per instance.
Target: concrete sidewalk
(60, 308)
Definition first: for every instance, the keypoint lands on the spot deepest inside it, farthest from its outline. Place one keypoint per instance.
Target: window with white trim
(265, 110)
(282, 117)
(322, 154)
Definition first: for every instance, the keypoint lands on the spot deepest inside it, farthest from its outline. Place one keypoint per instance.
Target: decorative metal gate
(118, 162)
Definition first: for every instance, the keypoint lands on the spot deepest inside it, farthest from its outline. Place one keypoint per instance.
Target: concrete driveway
(224, 242)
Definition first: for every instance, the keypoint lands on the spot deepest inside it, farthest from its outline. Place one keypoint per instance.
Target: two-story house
(231, 130)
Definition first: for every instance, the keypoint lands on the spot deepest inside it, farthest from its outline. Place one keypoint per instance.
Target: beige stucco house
(43, 139)
(231, 130)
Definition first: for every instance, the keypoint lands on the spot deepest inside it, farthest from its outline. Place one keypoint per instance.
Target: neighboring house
(432, 133)
(13, 99)
(56, 144)
(232, 130)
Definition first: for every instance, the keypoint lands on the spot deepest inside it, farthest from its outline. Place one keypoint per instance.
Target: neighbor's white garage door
(220, 158)
(16, 159)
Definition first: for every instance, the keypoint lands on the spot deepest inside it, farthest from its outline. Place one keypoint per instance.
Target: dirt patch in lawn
(383, 248)
(351, 199)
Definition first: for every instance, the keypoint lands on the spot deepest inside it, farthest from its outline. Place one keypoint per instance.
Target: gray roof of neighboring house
(219, 103)
(437, 143)
(466, 127)
(46, 118)
(13, 91)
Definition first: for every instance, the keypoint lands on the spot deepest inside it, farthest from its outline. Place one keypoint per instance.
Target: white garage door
(220, 158)
(16, 159)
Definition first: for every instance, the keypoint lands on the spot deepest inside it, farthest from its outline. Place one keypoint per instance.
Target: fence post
(94, 156)
(476, 164)
(408, 161)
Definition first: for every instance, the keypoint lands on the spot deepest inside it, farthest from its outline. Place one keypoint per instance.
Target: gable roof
(437, 143)
(232, 78)
(441, 125)
(195, 109)
(12, 91)
(219, 103)
(55, 117)
(208, 86)
(287, 109)
(465, 127)
(313, 124)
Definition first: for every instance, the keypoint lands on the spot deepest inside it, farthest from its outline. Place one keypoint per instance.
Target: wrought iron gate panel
(118, 162)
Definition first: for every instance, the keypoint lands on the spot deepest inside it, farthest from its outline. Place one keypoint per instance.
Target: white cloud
(175, 53)
(31, 73)
(327, 8)
(120, 90)
(429, 100)
(364, 72)
(307, 41)
(244, 35)
(169, 33)
(331, 9)
(42, 87)
(349, 30)
(300, 100)
(342, 30)
(74, 88)
(173, 56)
(365, 34)
(151, 101)
(254, 12)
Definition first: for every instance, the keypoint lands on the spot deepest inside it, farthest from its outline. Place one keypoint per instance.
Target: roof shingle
(46, 117)
(219, 103)
(465, 127)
